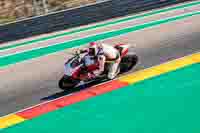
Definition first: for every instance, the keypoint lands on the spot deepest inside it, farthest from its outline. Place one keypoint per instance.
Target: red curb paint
(91, 92)
(36, 111)
(67, 100)
(50, 106)
(109, 86)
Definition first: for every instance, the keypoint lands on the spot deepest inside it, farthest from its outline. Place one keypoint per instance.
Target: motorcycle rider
(97, 55)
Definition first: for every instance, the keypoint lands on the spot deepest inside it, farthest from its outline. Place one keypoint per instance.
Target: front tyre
(65, 83)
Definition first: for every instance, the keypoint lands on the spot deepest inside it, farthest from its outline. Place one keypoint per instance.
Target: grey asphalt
(31, 82)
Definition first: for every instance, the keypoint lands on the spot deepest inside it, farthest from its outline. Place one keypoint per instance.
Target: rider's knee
(111, 75)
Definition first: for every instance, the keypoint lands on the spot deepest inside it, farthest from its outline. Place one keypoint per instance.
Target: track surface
(32, 82)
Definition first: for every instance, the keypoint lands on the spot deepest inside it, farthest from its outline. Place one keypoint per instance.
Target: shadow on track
(71, 91)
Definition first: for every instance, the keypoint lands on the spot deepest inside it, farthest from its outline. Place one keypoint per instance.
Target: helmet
(93, 49)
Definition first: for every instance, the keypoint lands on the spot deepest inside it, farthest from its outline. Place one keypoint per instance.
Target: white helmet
(93, 49)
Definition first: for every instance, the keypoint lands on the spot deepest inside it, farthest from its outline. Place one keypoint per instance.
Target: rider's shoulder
(104, 44)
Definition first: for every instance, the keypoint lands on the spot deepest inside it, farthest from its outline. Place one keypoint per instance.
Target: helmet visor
(91, 51)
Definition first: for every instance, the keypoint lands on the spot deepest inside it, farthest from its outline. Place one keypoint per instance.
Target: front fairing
(69, 71)
(72, 65)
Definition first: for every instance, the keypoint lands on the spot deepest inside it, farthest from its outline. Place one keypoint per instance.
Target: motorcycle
(75, 66)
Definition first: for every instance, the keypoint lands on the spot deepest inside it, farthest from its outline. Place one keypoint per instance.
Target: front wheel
(66, 83)
(128, 62)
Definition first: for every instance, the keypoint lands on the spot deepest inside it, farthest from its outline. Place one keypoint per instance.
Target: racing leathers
(96, 64)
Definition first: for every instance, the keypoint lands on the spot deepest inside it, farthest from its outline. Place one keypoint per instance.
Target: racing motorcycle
(75, 66)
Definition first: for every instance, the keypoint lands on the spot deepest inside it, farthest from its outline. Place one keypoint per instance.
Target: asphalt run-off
(110, 23)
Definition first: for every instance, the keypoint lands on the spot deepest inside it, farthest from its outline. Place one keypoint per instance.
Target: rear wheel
(128, 62)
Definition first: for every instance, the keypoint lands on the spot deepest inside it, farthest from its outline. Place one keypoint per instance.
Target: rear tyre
(128, 62)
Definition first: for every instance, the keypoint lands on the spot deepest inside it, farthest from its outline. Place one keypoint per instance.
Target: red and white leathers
(95, 65)
(113, 55)
(103, 53)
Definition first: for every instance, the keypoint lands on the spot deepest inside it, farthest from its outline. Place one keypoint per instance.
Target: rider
(98, 54)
